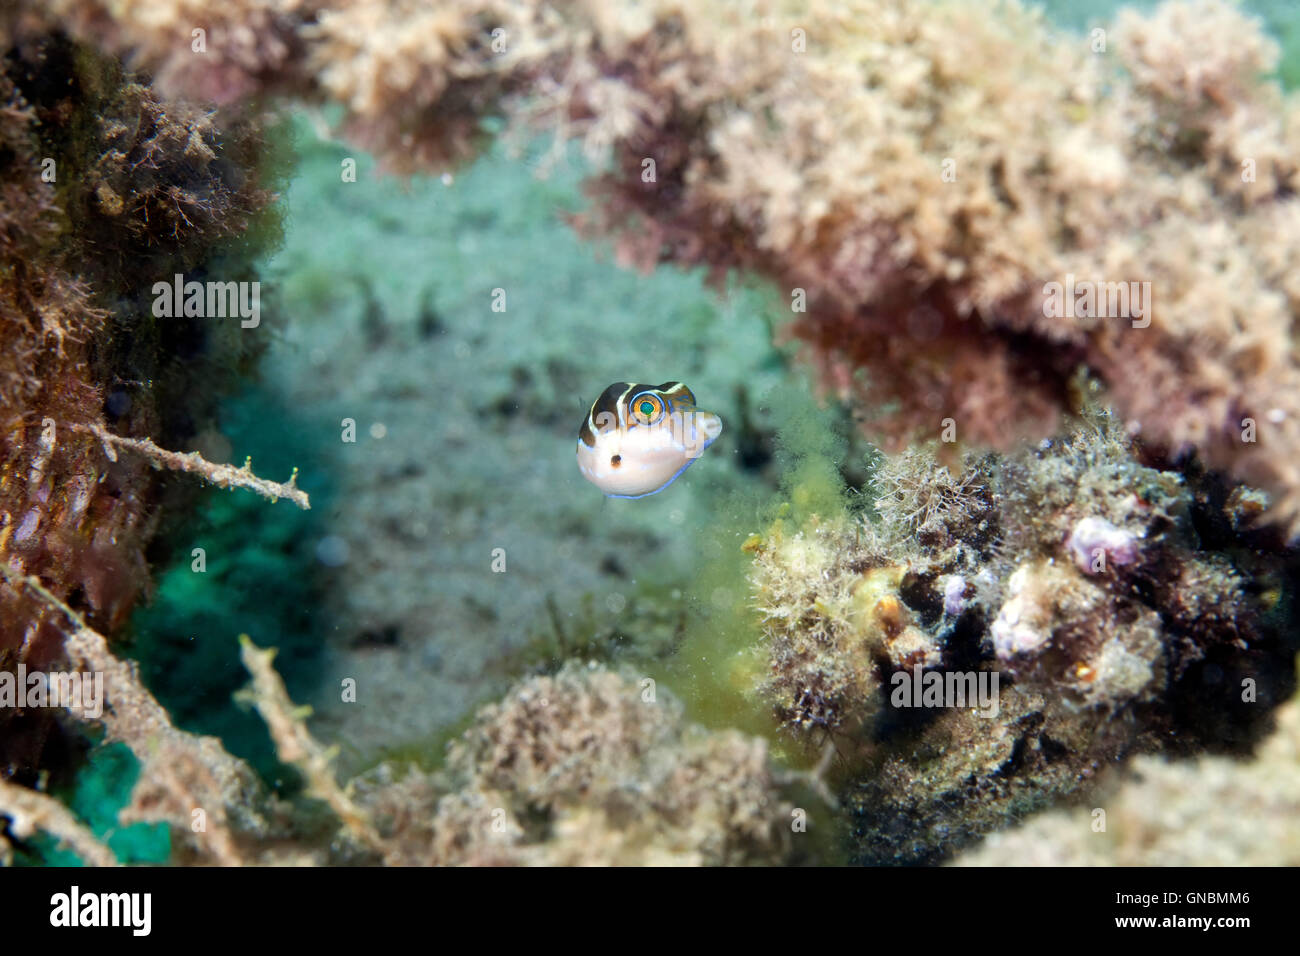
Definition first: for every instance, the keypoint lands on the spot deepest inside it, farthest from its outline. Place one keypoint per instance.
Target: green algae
(722, 659)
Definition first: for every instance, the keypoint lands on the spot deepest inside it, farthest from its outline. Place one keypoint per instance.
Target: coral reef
(1168, 611)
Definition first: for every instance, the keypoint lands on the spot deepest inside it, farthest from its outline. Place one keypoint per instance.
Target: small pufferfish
(638, 438)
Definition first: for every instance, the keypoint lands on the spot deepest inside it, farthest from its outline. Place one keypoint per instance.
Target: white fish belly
(640, 461)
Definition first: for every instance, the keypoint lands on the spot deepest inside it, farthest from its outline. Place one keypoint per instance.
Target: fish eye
(647, 408)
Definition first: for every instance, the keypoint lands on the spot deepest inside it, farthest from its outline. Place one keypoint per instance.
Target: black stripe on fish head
(605, 413)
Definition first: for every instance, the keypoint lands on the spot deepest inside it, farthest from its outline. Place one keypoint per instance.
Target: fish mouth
(709, 424)
(699, 431)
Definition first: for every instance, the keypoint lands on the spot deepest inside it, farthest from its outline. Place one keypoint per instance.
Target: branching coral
(181, 773)
(296, 746)
(29, 811)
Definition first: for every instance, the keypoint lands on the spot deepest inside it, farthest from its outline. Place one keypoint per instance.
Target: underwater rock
(1062, 631)
(1095, 659)
(1214, 811)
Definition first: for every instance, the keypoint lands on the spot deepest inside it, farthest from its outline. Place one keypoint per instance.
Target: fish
(638, 439)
